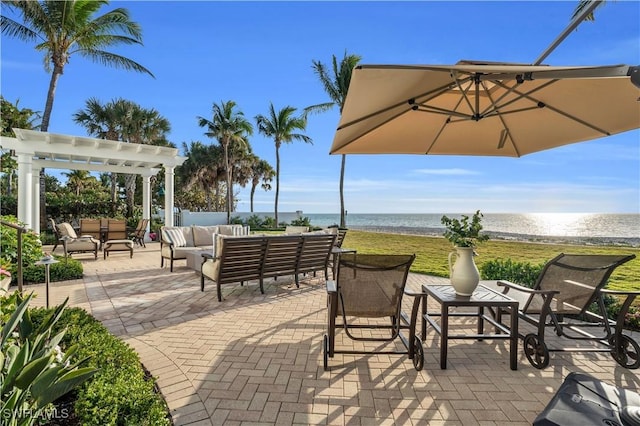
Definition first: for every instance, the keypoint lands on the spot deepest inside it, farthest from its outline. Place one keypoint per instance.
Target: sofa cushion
(203, 235)
(296, 229)
(175, 236)
(233, 230)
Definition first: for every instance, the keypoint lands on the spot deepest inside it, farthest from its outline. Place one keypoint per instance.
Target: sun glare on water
(560, 224)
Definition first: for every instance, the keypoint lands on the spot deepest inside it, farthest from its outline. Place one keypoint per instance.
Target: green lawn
(432, 252)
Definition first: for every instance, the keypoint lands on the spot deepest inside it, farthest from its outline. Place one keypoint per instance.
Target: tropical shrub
(254, 221)
(120, 392)
(34, 370)
(31, 246)
(302, 221)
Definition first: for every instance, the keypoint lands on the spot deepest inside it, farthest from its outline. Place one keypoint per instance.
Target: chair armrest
(207, 256)
(163, 242)
(509, 285)
(332, 287)
(415, 293)
(620, 292)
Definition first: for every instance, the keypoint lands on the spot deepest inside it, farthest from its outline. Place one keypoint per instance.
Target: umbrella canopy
(485, 108)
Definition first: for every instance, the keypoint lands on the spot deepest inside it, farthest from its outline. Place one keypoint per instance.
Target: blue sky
(260, 52)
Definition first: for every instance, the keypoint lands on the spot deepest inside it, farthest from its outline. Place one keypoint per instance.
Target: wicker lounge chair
(368, 297)
(565, 290)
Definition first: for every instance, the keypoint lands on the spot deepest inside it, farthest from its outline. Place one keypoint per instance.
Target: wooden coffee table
(483, 297)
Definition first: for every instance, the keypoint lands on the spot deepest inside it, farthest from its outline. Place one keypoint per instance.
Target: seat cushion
(66, 230)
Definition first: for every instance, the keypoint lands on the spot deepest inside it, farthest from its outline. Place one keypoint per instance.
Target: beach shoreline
(506, 236)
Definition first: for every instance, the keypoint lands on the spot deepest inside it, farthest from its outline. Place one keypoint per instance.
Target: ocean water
(583, 228)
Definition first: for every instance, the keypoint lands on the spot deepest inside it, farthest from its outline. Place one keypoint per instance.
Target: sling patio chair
(117, 238)
(137, 236)
(56, 233)
(367, 296)
(567, 291)
(74, 244)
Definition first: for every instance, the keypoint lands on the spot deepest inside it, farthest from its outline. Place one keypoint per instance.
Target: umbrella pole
(572, 26)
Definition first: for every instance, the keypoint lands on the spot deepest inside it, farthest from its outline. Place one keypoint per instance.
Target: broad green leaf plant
(34, 371)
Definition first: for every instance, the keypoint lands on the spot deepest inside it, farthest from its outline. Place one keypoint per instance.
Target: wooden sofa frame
(259, 257)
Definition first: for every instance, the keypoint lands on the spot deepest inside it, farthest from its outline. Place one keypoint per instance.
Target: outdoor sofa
(176, 241)
(238, 259)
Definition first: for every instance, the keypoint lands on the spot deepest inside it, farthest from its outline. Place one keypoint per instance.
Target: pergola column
(146, 200)
(35, 214)
(168, 195)
(25, 189)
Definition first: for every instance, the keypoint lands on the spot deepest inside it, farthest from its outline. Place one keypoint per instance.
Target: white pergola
(36, 150)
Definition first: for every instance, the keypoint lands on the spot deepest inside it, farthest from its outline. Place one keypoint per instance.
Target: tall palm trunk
(44, 126)
(343, 219)
(277, 180)
(253, 191)
(114, 199)
(228, 171)
(130, 191)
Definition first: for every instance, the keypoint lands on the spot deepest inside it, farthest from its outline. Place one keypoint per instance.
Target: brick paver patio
(257, 359)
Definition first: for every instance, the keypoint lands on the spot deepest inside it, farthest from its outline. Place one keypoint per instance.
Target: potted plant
(464, 234)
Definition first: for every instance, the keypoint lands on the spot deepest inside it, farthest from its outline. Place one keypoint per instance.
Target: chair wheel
(325, 352)
(418, 354)
(626, 352)
(536, 351)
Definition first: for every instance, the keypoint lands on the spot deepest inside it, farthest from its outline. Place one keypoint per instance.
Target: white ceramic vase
(463, 272)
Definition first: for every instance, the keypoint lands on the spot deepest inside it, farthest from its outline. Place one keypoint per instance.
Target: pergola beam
(36, 150)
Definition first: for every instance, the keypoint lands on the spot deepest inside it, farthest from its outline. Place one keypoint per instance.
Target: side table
(483, 297)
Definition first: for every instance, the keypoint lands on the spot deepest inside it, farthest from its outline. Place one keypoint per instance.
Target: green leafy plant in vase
(464, 234)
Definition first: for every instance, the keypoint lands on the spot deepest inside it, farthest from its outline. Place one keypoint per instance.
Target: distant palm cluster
(206, 179)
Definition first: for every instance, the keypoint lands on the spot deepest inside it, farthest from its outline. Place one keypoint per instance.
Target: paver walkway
(257, 359)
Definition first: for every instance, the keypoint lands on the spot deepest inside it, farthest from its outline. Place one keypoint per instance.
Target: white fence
(186, 217)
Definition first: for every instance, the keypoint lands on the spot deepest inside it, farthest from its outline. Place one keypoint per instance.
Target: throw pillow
(175, 237)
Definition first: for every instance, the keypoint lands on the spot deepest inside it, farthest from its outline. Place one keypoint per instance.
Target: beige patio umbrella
(491, 109)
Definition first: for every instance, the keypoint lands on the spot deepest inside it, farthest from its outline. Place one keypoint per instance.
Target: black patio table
(483, 297)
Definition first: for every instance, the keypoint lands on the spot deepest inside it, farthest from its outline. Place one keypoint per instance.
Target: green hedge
(120, 393)
(65, 269)
(517, 272)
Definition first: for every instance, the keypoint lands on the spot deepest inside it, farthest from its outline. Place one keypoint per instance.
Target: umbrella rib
(505, 130)
(371, 129)
(412, 102)
(505, 94)
(541, 104)
(464, 93)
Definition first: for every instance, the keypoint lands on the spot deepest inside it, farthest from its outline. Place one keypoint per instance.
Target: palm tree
(281, 126)
(126, 121)
(12, 116)
(228, 126)
(101, 121)
(582, 5)
(261, 171)
(77, 179)
(336, 85)
(64, 28)
(203, 169)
